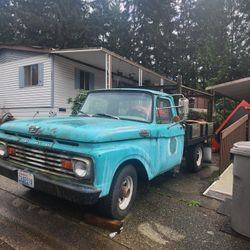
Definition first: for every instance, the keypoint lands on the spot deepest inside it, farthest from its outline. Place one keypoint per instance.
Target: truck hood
(79, 129)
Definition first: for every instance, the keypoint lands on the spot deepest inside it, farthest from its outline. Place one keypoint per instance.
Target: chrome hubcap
(126, 192)
(199, 156)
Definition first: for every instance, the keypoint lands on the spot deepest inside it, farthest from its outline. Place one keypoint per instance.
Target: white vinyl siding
(26, 113)
(7, 55)
(64, 81)
(12, 96)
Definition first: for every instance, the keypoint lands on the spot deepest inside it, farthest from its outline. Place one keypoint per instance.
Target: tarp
(236, 114)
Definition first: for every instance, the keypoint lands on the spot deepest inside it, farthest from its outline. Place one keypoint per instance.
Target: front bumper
(55, 185)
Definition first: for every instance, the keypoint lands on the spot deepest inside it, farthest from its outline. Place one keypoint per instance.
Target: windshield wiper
(83, 113)
(107, 115)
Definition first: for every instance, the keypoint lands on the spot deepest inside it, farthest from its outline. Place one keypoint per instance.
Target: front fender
(108, 162)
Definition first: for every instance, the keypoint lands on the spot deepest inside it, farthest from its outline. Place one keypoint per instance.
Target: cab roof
(154, 92)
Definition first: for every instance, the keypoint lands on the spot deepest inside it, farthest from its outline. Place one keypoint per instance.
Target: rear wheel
(122, 194)
(194, 158)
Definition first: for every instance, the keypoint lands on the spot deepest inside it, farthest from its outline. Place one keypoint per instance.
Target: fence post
(248, 124)
(179, 83)
(210, 110)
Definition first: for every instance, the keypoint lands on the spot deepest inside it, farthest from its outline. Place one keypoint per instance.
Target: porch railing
(236, 132)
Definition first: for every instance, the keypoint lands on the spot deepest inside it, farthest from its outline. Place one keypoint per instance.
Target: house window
(31, 75)
(163, 111)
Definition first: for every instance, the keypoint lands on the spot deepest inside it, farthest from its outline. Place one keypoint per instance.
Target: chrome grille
(36, 158)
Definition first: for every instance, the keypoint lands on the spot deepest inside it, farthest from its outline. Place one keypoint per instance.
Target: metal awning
(113, 64)
(237, 90)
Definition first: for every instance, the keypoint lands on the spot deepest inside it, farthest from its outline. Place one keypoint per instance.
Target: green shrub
(78, 101)
(223, 108)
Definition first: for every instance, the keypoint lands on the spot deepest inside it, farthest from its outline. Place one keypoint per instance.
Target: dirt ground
(170, 213)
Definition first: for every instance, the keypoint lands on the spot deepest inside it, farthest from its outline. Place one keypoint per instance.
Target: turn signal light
(66, 164)
(11, 151)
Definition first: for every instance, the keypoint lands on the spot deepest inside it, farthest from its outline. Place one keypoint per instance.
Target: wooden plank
(234, 126)
(203, 93)
(106, 223)
(239, 134)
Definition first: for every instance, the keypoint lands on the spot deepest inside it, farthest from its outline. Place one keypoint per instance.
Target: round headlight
(3, 149)
(80, 169)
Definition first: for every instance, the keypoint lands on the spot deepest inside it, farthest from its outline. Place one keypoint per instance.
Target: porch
(117, 71)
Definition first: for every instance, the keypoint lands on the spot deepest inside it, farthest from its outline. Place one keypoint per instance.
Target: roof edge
(227, 84)
(26, 49)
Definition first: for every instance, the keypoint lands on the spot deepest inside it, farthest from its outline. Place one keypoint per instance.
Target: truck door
(170, 141)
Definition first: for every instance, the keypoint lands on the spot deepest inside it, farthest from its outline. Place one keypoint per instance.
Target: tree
(152, 29)
(109, 22)
(7, 29)
(185, 59)
(208, 42)
(239, 41)
(48, 23)
(211, 41)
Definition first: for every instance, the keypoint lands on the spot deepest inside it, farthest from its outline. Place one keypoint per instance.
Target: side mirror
(184, 107)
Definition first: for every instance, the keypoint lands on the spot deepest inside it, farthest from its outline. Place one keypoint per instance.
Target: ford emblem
(34, 129)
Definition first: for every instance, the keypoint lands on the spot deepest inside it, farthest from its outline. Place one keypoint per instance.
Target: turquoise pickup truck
(119, 137)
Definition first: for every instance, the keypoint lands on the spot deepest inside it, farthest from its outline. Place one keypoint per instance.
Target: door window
(163, 111)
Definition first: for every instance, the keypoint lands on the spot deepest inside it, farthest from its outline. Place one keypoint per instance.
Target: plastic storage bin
(240, 216)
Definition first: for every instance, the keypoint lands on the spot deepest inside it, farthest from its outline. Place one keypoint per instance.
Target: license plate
(25, 178)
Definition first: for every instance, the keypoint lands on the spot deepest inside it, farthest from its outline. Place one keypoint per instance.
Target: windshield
(119, 105)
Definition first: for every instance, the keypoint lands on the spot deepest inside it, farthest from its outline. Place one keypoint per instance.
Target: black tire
(194, 158)
(109, 206)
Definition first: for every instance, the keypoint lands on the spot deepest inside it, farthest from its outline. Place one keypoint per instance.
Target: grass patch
(214, 177)
(192, 203)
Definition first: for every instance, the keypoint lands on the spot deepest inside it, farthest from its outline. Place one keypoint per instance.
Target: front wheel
(122, 194)
(194, 158)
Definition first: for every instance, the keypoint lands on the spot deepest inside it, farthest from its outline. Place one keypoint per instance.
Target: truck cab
(97, 156)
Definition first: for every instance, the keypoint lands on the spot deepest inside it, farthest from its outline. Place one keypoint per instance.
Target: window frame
(170, 107)
(84, 75)
(129, 91)
(31, 76)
